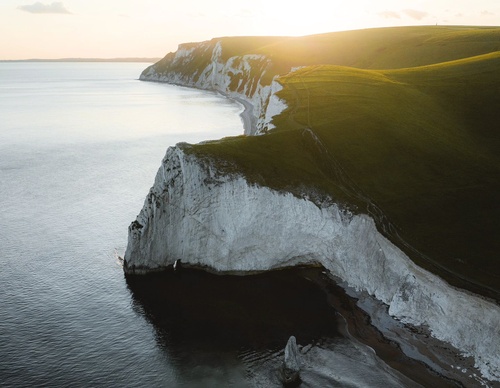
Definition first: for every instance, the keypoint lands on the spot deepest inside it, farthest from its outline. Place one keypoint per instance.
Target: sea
(80, 144)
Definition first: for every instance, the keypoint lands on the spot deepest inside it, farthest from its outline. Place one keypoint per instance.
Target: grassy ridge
(379, 48)
(383, 48)
(416, 147)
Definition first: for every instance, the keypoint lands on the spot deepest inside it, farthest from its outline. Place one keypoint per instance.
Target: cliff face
(245, 77)
(220, 222)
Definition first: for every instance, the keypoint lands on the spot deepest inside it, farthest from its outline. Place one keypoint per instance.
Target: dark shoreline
(357, 325)
(361, 328)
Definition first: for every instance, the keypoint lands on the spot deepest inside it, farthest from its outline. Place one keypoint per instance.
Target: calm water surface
(80, 145)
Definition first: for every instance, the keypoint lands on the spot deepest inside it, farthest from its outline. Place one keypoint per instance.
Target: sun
(294, 19)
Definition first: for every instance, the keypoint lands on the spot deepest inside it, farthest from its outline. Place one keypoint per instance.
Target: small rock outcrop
(291, 365)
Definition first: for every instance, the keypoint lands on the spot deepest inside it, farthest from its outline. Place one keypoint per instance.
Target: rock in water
(291, 366)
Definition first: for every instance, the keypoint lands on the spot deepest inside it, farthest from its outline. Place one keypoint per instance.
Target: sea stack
(291, 366)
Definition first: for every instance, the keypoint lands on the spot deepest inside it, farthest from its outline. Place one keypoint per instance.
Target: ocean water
(79, 148)
(80, 144)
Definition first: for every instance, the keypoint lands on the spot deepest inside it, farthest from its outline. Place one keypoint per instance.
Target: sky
(152, 28)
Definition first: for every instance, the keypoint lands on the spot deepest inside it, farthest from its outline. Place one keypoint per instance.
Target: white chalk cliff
(196, 214)
(240, 77)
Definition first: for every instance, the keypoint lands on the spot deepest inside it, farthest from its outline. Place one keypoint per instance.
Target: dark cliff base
(193, 311)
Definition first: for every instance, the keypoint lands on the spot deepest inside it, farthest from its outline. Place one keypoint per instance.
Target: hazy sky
(151, 28)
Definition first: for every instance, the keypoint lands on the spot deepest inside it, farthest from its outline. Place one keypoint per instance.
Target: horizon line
(116, 59)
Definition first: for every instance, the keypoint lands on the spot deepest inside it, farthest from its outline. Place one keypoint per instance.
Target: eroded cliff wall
(245, 77)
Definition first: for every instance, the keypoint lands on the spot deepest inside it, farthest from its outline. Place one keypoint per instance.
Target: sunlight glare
(286, 18)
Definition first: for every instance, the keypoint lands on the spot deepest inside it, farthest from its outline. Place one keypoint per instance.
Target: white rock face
(240, 77)
(201, 217)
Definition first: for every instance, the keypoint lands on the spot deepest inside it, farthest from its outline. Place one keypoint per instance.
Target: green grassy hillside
(415, 146)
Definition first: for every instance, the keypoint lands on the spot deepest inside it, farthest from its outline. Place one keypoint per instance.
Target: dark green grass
(419, 151)
(415, 148)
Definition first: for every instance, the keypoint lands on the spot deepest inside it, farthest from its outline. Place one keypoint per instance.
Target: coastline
(411, 350)
(335, 338)
(247, 117)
